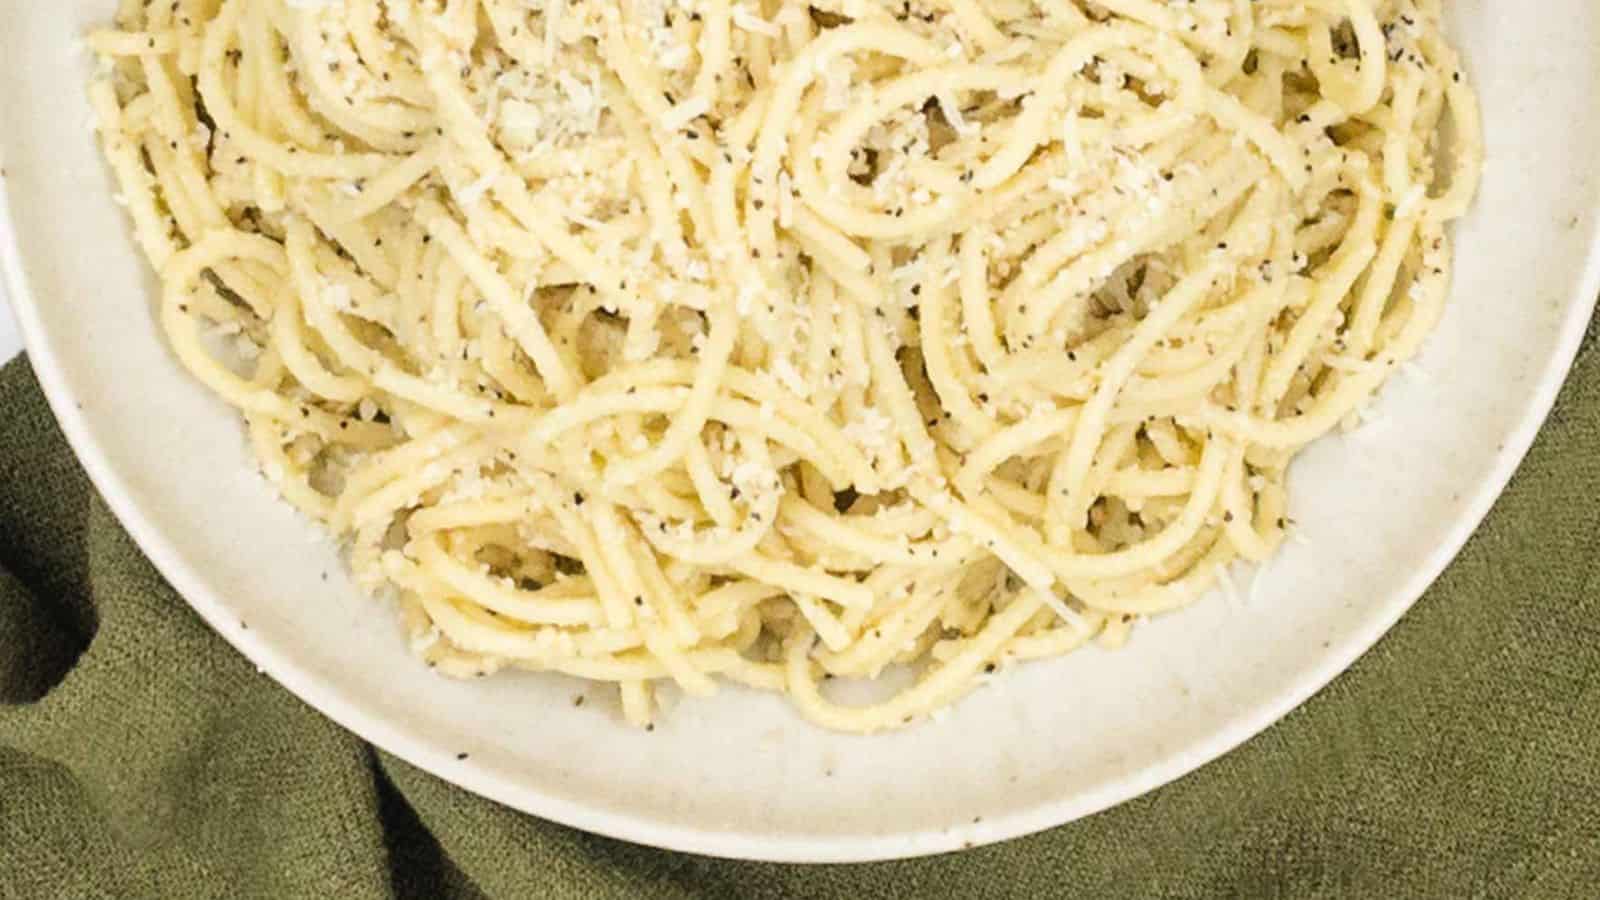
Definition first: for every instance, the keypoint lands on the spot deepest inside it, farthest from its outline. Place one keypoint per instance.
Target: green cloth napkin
(140, 756)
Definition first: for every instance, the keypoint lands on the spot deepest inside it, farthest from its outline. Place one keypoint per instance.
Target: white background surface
(10, 342)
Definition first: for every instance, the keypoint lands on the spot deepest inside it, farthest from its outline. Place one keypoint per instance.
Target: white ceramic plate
(10, 338)
(740, 775)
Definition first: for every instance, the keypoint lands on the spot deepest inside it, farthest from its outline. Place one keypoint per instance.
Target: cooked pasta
(695, 341)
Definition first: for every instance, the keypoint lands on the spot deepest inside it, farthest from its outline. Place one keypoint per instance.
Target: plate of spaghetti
(806, 431)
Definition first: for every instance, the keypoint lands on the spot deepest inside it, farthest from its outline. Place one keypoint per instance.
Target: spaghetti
(691, 341)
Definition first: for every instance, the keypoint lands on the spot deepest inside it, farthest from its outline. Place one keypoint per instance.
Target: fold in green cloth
(140, 756)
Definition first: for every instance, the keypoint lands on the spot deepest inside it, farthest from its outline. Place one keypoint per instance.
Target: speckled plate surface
(740, 775)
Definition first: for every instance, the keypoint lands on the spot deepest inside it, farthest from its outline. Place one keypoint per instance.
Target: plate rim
(375, 729)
